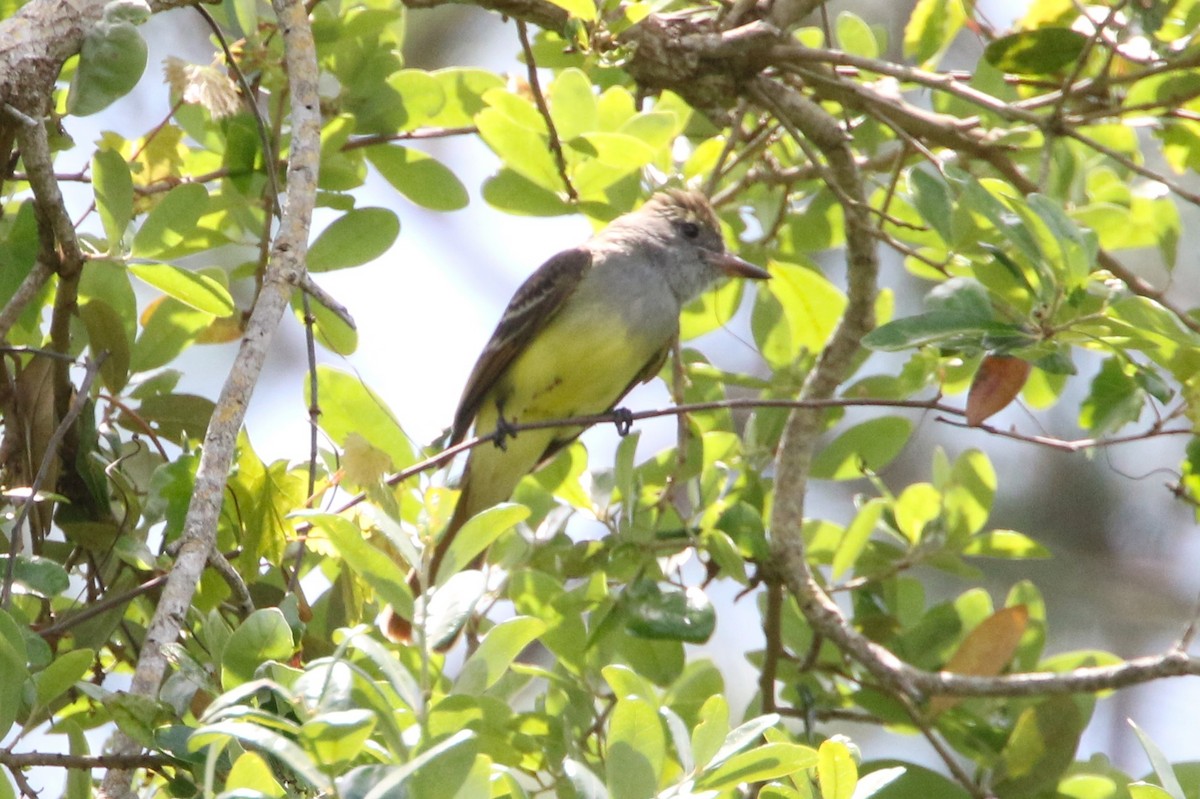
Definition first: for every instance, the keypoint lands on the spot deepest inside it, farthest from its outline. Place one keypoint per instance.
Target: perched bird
(585, 328)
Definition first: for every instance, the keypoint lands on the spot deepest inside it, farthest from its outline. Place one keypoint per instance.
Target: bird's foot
(623, 419)
(503, 432)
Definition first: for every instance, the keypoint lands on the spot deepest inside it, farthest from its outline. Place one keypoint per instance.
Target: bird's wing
(537, 300)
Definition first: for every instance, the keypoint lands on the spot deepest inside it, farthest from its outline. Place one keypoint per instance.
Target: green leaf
(449, 607)
(477, 534)
(745, 734)
(378, 569)
(857, 535)
(384, 782)
(463, 89)
(855, 36)
(1005, 544)
(572, 104)
(108, 334)
(111, 62)
(836, 771)
(868, 446)
(586, 784)
(62, 673)
(1160, 764)
(39, 576)
(336, 737)
(580, 9)
(949, 329)
(177, 416)
(330, 329)
(171, 220)
(673, 614)
(423, 97)
(13, 658)
(419, 177)
(1114, 399)
(1041, 747)
(910, 781)
(931, 197)
(627, 683)
(269, 741)
(198, 291)
(515, 194)
(917, 505)
(968, 494)
(357, 237)
(709, 734)
(495, 654)
(263, 636)
(1041, 51)
(113, 188)
(348, 406)
(636, 749)
(870, 785)
(252, 772)
(767, 762)
(1146, 790)
(810, 307)
(931, 28)
(524, 150)
(168, 327)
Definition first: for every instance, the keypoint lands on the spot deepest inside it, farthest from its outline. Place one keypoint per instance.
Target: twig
(100, 606)
(311, 288)
(773, 650)
(251, 106)
(540, 99)
(1076, 445)
(25, 292)
(23, 760)
(39, 163)
(408, 135)
(314, 417)
(944, 752)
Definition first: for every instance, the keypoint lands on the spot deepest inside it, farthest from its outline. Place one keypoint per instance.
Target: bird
(585, 328)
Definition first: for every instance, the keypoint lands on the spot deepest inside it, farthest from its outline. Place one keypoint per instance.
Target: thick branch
(794, 460)
(284, 272)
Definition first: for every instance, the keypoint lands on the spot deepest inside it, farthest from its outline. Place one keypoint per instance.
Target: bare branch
(283, 274)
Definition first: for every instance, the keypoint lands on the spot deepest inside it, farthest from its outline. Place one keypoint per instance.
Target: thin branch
(408, 135)
(39, 163)
(24, 760)
(943, 751)
(30, 286)
(773, 651)
(1075, 445)
(100, 606)
(540, 99)
(314, 431)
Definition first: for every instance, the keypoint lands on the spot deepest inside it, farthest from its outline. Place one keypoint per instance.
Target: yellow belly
(576, 367)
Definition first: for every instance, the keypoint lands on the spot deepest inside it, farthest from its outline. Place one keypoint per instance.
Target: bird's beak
(733, 266)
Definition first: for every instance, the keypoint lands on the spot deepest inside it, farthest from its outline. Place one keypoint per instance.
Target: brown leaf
(996, 384)
(986, 650)
(29, 424)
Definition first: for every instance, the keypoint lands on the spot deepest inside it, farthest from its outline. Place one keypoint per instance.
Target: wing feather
(537, 301)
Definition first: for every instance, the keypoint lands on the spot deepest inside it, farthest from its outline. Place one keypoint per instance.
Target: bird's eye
(690, 229)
